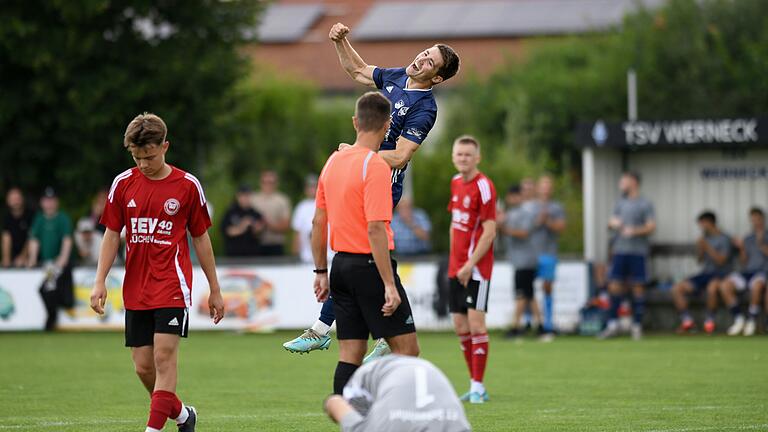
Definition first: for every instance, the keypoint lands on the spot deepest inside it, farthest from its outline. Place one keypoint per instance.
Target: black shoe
(512, 334)
(189, 425)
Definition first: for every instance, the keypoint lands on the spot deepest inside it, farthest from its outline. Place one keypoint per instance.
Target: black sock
(343, 373)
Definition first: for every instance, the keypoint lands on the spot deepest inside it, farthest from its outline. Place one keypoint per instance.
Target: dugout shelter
(687, 166)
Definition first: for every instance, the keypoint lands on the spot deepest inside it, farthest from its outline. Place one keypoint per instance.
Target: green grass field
(85, 382)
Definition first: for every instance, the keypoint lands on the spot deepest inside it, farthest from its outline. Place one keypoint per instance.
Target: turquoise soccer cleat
(310, 340)
(467, 397)
(477, 398)
(379, 350)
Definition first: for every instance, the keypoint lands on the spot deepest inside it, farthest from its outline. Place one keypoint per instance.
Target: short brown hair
(372, 111)
(450, 62)
(467, 139)
(145, 129)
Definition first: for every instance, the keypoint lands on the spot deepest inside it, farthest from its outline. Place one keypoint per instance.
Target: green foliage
(73, 74)
(275, 123)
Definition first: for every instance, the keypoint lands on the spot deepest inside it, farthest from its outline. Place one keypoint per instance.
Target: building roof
(429, 19)
(287, 22)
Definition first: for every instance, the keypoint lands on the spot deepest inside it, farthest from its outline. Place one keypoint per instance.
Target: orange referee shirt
(355, 188)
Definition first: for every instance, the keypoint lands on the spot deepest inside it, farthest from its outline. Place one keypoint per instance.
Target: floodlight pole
(631, 95)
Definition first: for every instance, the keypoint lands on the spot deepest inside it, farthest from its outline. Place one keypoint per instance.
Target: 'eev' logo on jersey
(143, 225)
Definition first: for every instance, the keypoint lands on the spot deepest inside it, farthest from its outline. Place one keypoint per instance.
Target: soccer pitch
(85, 382)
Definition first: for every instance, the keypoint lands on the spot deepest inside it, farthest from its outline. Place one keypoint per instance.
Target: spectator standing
(412, 229)
(50, 244)
(633, 221)
(16, 224)
(549, 223)
(242, 226)
(302, 221)
(275, 208)
(714, 250)
(516, 226)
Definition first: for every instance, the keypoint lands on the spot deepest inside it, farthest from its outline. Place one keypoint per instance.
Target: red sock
(162, 405)
(466, 348)
(479, 356)
(176, 408)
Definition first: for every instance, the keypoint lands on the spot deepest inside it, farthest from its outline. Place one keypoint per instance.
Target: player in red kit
(473, 229)
(157, 204)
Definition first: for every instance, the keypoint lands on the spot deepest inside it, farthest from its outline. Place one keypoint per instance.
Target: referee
(354, 209)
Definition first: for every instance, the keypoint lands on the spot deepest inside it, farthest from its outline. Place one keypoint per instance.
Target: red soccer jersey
(156, 215)
(471, 203)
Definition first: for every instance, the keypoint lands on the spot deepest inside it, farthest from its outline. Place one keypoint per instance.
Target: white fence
(262, 297)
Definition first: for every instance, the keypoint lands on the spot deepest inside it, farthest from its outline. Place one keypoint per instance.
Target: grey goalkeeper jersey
(402, 394)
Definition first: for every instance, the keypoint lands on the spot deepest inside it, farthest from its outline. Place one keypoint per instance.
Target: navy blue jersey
(413, 115)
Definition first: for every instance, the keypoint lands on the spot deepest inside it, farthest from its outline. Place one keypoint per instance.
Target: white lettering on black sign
(691, 132)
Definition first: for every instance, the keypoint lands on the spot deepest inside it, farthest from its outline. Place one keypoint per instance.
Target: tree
(74, 73)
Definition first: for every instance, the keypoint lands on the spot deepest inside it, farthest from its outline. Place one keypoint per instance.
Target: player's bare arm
(483, 246)
(350, 60)
(204, 250)
(319, 240)
(377, 236)
(516, 233)
(337, 407)
(401, 155)
(110, 244)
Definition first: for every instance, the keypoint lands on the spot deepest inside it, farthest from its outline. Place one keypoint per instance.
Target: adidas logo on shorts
(409, 321)
(173, 322)
(469, 299)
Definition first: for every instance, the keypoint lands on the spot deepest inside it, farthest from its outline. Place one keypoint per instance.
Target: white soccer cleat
(749, 327)
(637, 332)
(737, 327)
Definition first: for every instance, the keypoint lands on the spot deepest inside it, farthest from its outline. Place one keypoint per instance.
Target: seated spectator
(18, 219)
(50, 244)
(88, 241)
(302, 221)
(411, 228)
(516, 227)
(242, 226)
(752, 253)
(714, 250)
(275, 207)
(389, 395)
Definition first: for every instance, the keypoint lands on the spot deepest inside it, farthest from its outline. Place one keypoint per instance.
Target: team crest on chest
(399, 104)
(467, 201)
(171, 206)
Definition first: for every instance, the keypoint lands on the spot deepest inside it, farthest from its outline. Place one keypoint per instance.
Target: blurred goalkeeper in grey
(398, 394)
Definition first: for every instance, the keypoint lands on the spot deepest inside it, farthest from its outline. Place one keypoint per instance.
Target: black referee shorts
(358, 296)
(141, 325)
(524, 280)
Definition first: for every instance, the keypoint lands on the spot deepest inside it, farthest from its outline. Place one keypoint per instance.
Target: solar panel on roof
(287, 23)
(457, 19)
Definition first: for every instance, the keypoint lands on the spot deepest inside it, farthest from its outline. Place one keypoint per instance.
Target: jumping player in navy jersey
(414, 111)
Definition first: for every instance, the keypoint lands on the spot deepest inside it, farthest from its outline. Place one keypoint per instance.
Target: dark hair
(707, 216)
(756, 211)
(514, 189)
(372, 111)
(634, 174)
(450, 62)
(145, 129)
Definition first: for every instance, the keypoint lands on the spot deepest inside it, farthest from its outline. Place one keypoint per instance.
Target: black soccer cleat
(189, 425)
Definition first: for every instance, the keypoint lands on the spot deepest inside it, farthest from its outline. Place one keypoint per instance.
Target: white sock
(321, 328)
(149, 429)
(476, 387)
(183, 415)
